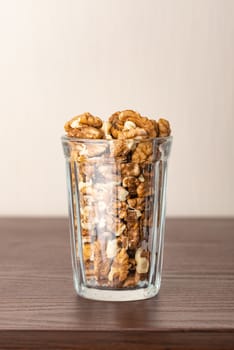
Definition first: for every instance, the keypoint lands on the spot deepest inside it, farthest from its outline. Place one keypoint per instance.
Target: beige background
(163, 58)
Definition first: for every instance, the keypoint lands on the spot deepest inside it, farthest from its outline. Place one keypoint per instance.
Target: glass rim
(148, 139)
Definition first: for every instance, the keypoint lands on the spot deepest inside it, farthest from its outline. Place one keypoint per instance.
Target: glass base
(118, 295)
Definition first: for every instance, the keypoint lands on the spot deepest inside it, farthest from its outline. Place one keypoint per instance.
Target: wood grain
(194, 309)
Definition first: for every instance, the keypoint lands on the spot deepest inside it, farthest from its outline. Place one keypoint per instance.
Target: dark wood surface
(39, 307)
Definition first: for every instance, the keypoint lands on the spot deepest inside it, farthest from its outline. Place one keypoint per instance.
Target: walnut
(117, 126)
(132, 281)
(134, 133)
(83, 119)
(87, 251)
(144, 189)
(131, 183)
(87, 170)
(122, 194)
(142, 122)
(156, 128)
(88, 212)
(89, 226)
(142, 152)
(133, 229)
(119, 268)
(84, 126)
(133, 215)
(89, 269)
(85, 233)
(120, 209)
(77, 150)
(86, 189)
(86, 200)
(132, 264)
(87, 132)
(122, 241)
(136, 203)
(111, 249)
(101, 262)
(142, 261)
(128, 114)
(104, 269)
(130, 124)
(119, 229)
(147, 218)
(164, 127)
(121, 148)
(130, 169)
(106, 127)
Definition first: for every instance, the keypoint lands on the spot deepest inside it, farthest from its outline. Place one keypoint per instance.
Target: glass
(116, 200)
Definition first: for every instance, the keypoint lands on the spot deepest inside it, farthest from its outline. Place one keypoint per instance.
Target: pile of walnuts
(115, 182)
(127, 124)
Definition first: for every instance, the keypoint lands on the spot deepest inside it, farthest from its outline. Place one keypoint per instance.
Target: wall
(171, 58)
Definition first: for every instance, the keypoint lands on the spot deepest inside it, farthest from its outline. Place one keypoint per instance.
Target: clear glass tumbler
(116, 199)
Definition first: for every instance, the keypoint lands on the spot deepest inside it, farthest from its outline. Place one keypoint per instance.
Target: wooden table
(40, 310)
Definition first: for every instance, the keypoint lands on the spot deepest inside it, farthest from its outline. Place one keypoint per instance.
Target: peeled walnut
(121, 148)
(130, 169)
(87, 251)
(87, 170)
(122, 193)
(88, 212)
(133, 215)
(119, 268)
(116, 125)
(136, 133)
(86, 200)
(87, 119)
(122, 241)
(132, 264)
(142, 122)
(120, 209)
(77, 150)
(106, 127)
(156, 128)
(87, 226)
(136, 126)
(87, 190)
(86, 132)
(137, 203)
(111, 249)
(131, 183)
(84, 126)
(133, 229)
(144, 189)
(101, 262)
(132, 281)
(164, 127)
(85, 233)
(142, 261)
(142, 152)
